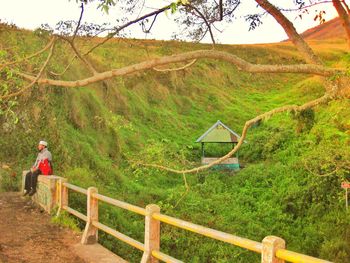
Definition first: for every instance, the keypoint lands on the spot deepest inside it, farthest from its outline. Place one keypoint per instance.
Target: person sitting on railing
(42, 165)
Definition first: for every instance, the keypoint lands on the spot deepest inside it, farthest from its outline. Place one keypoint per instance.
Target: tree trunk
(290, 30)
(344, 16)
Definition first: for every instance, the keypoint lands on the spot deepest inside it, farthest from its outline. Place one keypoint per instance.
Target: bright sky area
(30, 14)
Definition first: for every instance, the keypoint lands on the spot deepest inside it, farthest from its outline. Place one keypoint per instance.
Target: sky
(30, 14)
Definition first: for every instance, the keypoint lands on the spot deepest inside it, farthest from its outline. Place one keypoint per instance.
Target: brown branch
(344, 17)
(247, 125)
(290, 30)
(65, 69)
(79, 22)
(319, 175)
(176, 69)
(346, 6)
(118, 29)
(205, 20)
(30, 56)
(221, 12)
(186, 191)
(199, 54)
(305, 6)
(34, 79)
(82, 58)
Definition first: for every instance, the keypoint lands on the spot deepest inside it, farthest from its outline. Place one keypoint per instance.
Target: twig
(118, 29)
(66, 68)
(34, 80)
(247, 125)
(319, 175)
(30, 56)
(175, 69)
(79, 22)
(82, 58)
(205, 20)
(186, 191)
(199, 54)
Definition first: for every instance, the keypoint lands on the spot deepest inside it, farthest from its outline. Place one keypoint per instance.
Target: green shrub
(9, 181)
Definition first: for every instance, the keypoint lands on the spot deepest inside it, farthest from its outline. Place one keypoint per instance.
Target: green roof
(219, 132)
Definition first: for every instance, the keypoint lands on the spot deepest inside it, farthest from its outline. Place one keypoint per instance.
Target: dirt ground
(26, 234)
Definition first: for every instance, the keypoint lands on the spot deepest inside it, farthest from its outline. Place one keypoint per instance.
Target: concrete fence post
(63, 195)
(270, 245)
(152, 234)
(90, 235)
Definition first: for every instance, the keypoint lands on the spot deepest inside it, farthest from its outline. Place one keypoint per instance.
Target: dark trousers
(31, 180)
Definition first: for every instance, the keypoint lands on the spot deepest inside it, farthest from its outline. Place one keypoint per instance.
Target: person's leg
(34, 181)
(27, 182)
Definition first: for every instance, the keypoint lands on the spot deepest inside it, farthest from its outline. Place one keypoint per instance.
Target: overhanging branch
(34, 80)
(246, 127)
(30, 56)
(199, 54)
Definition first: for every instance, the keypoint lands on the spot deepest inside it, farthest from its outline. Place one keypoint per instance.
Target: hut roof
(219, 132)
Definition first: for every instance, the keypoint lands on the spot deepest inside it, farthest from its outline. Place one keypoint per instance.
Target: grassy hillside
(331, 29)
(97, 133)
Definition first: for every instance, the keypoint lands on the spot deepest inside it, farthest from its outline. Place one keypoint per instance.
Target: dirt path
(26, 234)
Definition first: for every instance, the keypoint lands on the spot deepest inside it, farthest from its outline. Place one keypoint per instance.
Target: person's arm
(49, 157)
(35, 165)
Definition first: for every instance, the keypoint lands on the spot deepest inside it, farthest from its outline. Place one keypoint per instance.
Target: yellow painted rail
(75, 212)
(126, 206)
(164, 257)
(120, 236)
(75, 188)
(218, 235)
(296, 257)
(272, 249)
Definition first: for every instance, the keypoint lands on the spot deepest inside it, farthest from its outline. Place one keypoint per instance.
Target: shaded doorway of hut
(217, 149)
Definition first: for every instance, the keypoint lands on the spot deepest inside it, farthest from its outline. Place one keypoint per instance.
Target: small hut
(220, 133)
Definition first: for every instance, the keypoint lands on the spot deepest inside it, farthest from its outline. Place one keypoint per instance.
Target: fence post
(63, 195)
(90, 235)
(152, 234)
(270, 245)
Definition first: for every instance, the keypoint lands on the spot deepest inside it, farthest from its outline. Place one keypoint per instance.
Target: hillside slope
(331, 29)
(97, 134)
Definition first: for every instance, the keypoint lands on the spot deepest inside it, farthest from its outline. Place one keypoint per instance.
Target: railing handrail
(251, 245)
(209, 232)
(121, 204)
(297, 257)
(120, 236)
(75, 188)
(75, 212)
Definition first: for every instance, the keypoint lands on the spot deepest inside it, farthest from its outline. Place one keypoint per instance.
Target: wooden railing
(272, 248)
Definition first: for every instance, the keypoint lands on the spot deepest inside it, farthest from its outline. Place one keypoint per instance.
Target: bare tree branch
(89, 66)
(34, 80)
(79, 22)
(176, 69)
(30, 56)
(346, 6)
(150, 27)
(118, 29)
(290, 30)
(247, 125)
(205, 20)
(199, 54)
(65, 69)
(305, 6)
(344, 17)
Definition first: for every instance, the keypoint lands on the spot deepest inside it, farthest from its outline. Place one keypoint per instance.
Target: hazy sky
(31, 14)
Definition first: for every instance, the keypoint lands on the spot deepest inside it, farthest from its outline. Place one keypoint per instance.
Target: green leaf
(173, 7)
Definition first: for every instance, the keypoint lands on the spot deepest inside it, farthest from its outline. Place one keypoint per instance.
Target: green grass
(96, 135)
